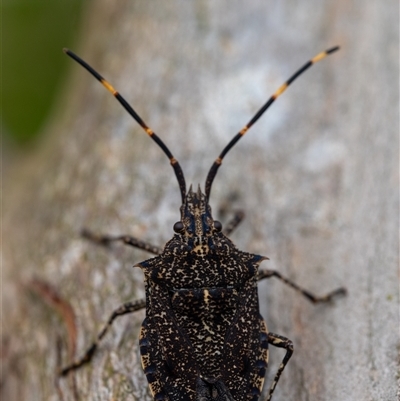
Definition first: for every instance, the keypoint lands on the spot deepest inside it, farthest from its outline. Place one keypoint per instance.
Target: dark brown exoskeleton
(203, 338)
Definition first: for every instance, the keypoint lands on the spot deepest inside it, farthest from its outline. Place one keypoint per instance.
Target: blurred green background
(33, 64)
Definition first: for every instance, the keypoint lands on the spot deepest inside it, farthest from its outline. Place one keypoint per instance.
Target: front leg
(233, 223)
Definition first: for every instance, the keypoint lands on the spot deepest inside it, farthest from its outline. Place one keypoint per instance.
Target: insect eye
(178, 227)
(217, 225)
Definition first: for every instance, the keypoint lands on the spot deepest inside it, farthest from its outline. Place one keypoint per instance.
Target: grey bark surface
(317, 177)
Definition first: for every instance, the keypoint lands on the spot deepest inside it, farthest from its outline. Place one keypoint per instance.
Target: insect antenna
(174, 163)
(217, 163)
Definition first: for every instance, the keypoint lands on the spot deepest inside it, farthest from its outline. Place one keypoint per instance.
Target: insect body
(202, 291)
(203, 338)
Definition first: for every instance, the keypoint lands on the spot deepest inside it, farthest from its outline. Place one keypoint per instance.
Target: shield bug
(203, 337)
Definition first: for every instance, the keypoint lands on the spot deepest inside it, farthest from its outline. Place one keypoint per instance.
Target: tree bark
(317, 177)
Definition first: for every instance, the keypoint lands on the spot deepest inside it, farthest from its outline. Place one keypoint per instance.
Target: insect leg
(280, 342)
(233, 223)
(124, 309)
(126, 239)
(311, 297)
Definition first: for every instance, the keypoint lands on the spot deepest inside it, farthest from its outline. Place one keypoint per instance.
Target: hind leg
(124, 309)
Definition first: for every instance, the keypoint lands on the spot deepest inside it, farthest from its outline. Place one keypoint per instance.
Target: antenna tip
(332, 49)
(65, 50)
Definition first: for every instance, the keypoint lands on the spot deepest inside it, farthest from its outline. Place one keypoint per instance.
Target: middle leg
(106, 240)
(310, 296)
